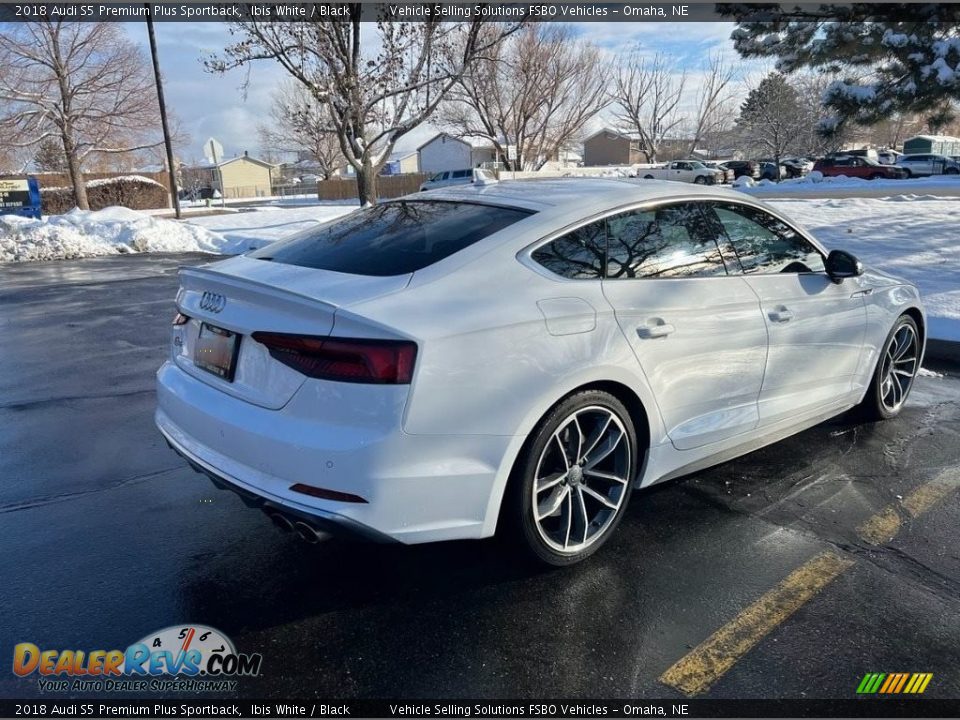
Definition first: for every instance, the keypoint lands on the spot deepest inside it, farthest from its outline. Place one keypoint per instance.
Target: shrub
(130, 191)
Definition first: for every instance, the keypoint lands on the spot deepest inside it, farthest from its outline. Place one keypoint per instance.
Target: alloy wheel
(581, 479)
(900, 365)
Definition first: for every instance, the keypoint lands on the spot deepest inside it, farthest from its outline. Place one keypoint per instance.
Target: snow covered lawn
(917, 238)
(115, 230)
(815, 185)
(82, 233)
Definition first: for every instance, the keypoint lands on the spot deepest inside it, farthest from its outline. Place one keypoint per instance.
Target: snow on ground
(815, 185)
(82, 233)
(912, 237)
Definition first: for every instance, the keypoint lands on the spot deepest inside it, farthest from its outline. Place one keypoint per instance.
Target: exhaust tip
(309, 533)
(281, 521)
(306, 532)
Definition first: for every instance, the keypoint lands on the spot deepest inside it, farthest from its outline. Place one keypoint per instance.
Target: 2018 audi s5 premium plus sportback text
(520, 356)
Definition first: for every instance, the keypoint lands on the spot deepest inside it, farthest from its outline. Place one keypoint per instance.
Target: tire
(700, 180)
(908, 173)
(648, 177)
(888, 391)
(876, 176)
(950, 171)
(568, 524)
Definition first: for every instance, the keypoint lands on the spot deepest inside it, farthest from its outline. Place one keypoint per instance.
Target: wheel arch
(640, 415)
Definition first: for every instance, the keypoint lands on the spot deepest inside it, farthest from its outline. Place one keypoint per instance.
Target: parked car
(518, 357)
(924, 164)
(743, 168)
(889, 157)
(446, 178)
(795, 168)
(859, 167)
(691, 171)
(728, 175)
(771, 171)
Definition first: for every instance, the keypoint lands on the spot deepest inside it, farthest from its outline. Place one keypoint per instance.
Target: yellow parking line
(705, 664)
(885, 525)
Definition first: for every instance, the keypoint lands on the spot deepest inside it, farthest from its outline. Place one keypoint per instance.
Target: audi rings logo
(212, 302)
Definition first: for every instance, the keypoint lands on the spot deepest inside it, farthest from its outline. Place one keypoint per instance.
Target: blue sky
(217, 106)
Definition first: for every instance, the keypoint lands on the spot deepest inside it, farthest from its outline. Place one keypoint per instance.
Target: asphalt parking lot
(791, 572)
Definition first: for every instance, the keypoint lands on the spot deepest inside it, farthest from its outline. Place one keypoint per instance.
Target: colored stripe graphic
(894, 683)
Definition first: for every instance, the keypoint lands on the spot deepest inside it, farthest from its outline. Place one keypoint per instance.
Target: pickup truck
(690, 171)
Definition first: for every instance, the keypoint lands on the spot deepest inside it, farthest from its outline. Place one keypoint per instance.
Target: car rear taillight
(344, 359)
(180, 319)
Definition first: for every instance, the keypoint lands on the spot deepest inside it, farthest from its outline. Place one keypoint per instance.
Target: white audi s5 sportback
(519, 356)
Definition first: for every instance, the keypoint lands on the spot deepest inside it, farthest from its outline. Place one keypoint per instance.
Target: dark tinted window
(667, 242)
(577, 255)
(765, 244)
(462, 174)
(392, 238)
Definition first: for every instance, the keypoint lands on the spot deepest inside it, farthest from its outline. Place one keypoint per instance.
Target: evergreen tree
(771, 117)
(50, 156)
(892, 58)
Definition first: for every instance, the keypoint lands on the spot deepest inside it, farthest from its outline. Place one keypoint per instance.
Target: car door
(815, 326)
(696, 332)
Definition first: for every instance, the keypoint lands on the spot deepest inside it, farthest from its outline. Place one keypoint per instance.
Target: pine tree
(50, 156)
(771, 117)
(892, 58)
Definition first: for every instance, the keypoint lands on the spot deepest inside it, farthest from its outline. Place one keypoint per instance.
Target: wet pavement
(106, 535)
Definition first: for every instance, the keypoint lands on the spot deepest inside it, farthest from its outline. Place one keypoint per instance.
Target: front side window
(672, 241)
(765, 244)
(578, 255)
(392, 238)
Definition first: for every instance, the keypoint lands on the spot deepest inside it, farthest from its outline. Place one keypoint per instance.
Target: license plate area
(216, 351)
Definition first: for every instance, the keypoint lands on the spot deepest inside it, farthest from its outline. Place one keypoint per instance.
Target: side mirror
(841, 264)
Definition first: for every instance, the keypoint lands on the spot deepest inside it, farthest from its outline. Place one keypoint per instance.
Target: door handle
(658, 329)
(781, 314)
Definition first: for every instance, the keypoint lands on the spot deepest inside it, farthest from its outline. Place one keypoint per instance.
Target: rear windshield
(392, 238)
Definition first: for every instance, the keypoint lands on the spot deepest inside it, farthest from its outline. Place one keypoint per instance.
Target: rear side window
(578, 255)
(392, 238)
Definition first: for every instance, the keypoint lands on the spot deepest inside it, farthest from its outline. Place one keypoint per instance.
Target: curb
(943, 350)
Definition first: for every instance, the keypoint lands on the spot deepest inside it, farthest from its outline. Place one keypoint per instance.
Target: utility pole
(163, 112)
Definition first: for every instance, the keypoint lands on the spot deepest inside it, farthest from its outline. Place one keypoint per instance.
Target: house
(611, 147)
(402, 163)
(238, 177)
(446, 152)
(932, 145)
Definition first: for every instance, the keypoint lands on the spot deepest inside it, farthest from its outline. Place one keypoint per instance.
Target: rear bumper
(417, 488)
(331, 523)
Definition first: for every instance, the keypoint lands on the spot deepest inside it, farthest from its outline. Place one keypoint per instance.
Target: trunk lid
(244, 295)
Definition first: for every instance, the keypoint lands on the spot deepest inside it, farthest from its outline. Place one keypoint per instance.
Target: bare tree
(299, 123)
(535, 92)
(646, 95)
(713, 111)
(372, 99)
(84, 84)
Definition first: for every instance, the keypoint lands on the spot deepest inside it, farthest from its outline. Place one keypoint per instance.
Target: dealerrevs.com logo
(178, 658)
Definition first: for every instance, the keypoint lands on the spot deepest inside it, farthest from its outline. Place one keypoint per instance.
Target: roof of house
(620, 133)
(209, 166)
(476, 143)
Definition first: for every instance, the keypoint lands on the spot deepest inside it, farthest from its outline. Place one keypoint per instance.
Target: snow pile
(744, 181)
(84, 233)
(816, 184)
